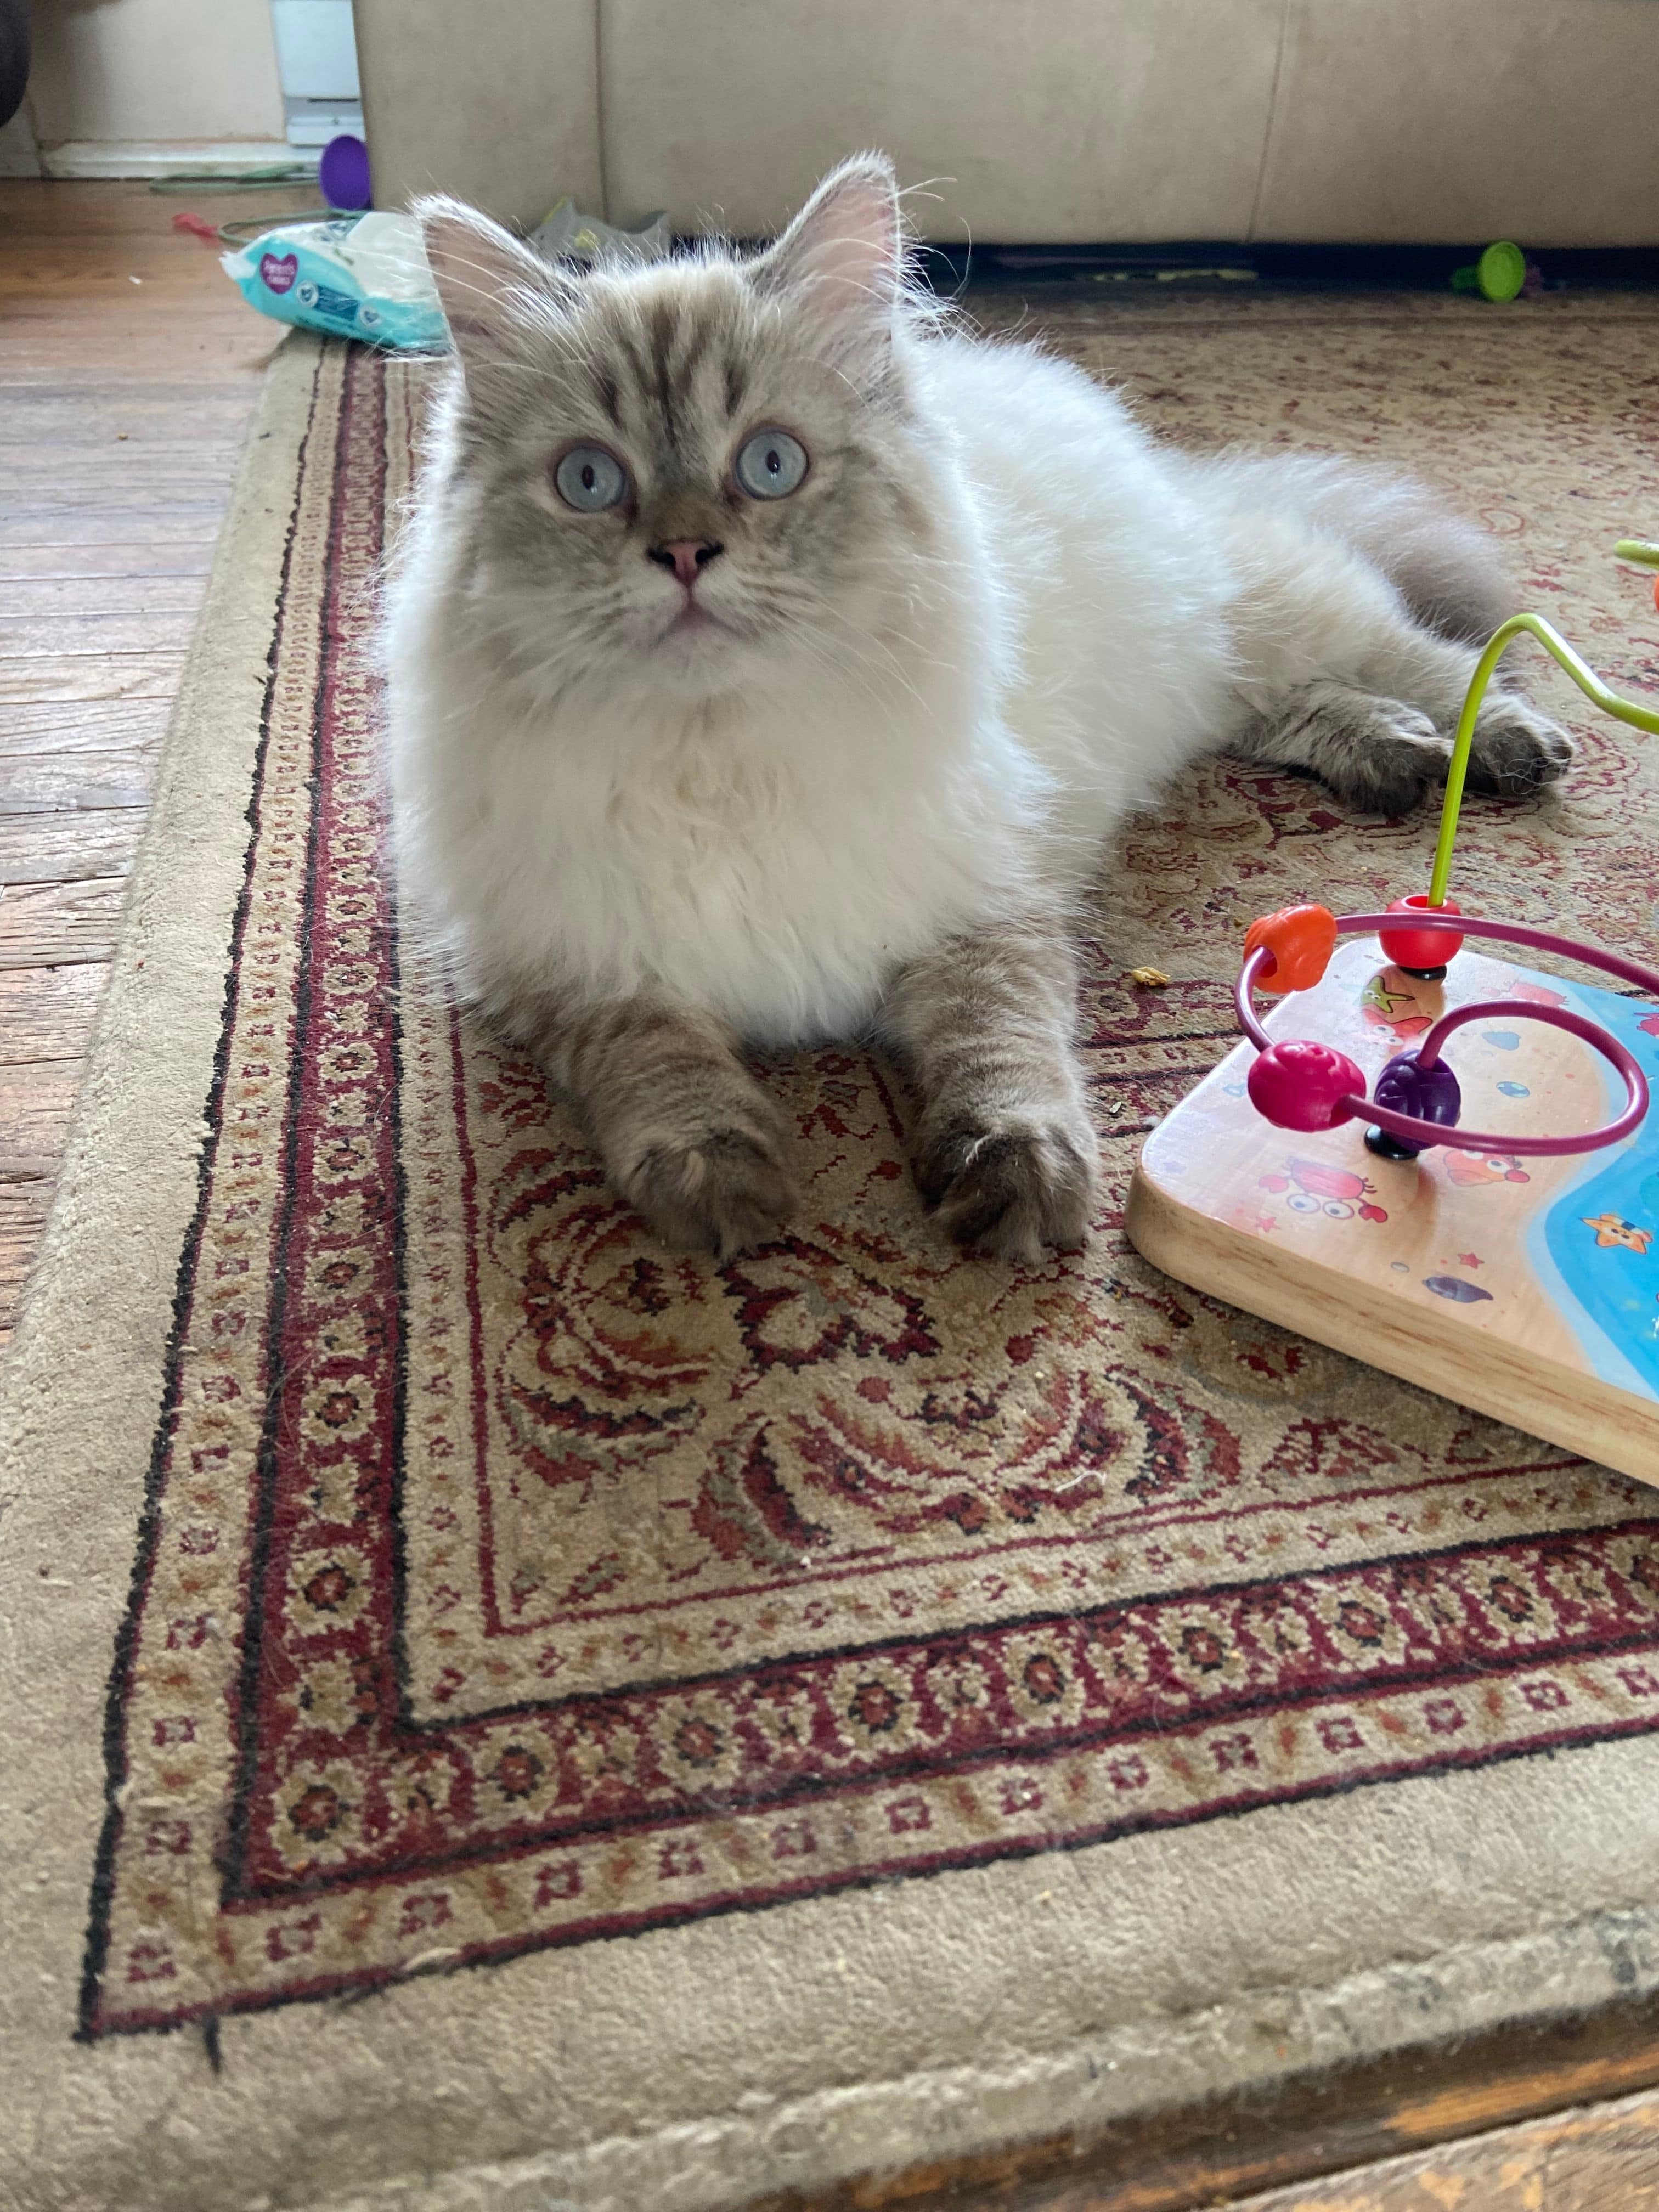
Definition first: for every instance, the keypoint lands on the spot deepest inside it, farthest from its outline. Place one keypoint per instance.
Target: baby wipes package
(359, 276)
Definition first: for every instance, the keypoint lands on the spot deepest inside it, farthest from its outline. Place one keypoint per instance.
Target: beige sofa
(1052, 120)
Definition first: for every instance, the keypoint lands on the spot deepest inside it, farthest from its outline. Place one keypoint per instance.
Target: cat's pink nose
(687, 557)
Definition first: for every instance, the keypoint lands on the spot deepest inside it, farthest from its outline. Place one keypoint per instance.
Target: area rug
(499, 1715)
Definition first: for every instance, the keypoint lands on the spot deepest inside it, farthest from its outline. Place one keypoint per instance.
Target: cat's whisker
(862, 657)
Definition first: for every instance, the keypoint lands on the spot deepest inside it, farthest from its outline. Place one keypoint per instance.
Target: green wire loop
(1624, 710)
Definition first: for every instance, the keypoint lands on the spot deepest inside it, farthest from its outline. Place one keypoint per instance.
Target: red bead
(1301, 940)
(1420, 948)
(1300, 1083)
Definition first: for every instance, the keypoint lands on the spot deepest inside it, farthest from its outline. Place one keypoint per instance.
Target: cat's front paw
(1009, 1183)
(723, 1190)
(1517, 747)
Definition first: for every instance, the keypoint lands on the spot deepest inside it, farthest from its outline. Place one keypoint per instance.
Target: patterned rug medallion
(507, 1582)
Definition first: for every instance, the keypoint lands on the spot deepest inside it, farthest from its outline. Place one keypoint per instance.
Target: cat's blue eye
(770, 465)
(590, 479)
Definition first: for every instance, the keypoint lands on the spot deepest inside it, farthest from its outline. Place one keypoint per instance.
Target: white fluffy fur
(773, 855)
(771, 846)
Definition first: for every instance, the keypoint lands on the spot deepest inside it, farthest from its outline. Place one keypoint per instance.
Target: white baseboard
(142, 157)
(19, 154)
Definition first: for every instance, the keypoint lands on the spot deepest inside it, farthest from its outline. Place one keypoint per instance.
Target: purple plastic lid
(342, 173)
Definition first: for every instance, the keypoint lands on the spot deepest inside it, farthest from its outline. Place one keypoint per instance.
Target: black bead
(1387, 1147)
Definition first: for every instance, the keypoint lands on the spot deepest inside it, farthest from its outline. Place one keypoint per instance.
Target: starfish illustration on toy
(1612, 1229)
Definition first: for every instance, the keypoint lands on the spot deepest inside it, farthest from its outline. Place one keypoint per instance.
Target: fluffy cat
(768, 661)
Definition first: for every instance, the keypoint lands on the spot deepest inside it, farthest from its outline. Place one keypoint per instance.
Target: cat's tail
(1448, 571)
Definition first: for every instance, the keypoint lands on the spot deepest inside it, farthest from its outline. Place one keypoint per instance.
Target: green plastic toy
(1624, 710)
(1499, 274)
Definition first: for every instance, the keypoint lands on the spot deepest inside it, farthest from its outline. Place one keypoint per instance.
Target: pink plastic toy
(1301, 1085)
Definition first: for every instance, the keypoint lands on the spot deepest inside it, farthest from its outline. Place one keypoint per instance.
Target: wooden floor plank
(54, 725)
(1359, 2122)
(87, 474)
(37, 1097)
(43, 924)
(178, 447)
(23, 1216)
(89, 631)
(77, 679)
(60, 598)
(111, 557)
(48, 1013)
(122, 408)
(1600, 2157)
(44, 529)
(88, 414)
(93, 631)
(66, 269)
(75, 781)
(67, 847)
(77, 207)
(147, 353)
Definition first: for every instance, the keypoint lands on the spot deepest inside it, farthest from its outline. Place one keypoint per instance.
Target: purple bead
(1429, 1093)
(343, 174)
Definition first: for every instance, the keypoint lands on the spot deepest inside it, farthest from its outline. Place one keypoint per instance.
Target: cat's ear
(495, 292)
(842, 258)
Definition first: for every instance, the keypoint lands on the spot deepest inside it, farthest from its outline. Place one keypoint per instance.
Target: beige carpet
(497, 1715)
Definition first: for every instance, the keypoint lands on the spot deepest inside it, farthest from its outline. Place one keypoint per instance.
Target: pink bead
(1301, 1085)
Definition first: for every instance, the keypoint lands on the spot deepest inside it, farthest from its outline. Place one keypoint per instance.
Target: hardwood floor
(1603, 2159)
(1422, 2132)
(129, 367)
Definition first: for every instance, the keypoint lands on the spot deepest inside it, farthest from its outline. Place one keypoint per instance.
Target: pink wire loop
(1249, 1020)
(1410, 1127)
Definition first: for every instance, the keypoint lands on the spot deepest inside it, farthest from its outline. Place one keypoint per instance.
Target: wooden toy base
(1528, 1289)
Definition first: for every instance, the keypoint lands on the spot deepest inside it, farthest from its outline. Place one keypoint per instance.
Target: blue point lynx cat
(768, 659)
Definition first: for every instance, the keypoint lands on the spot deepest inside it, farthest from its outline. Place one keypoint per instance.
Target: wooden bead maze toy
(1326, 1176)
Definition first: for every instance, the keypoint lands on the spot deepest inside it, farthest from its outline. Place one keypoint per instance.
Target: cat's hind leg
(1339, 678)
(1378, 754)
(1517, 746)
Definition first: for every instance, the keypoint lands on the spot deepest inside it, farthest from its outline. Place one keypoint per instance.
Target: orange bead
(1301, 940)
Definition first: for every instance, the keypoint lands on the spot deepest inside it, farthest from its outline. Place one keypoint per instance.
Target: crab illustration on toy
(1317, 1187)
(1298, 1082)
